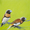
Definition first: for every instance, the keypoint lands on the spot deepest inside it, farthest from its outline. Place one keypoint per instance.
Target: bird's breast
(5, 19)
(16, 24)
(7, 15)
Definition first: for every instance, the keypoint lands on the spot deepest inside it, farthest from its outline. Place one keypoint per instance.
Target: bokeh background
(20, 8)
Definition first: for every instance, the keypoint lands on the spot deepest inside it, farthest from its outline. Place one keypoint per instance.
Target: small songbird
(6, 17)
(17, 22)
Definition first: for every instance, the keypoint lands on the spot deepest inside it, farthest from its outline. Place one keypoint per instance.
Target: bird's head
(23, 19)
(8, 11)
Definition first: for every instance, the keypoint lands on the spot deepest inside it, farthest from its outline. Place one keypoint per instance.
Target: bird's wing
(3, 17)
(16, 21)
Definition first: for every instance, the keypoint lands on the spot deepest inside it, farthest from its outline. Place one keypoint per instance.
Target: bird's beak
(10, 11)
(25, 18)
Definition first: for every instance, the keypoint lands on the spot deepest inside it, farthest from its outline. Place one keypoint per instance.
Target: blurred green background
(20, 8)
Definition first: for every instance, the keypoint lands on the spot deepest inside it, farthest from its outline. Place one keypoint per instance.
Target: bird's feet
(17, 27)
(8, 22)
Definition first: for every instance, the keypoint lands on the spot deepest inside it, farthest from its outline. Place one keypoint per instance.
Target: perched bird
(6, 17)
(17, 22)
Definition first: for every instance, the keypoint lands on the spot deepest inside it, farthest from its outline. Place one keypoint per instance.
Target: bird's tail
(10, 26)
(2, 24)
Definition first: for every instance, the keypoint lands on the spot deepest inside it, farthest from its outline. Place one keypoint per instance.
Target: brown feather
(7, 15)
(21, 22)
(16, 21)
